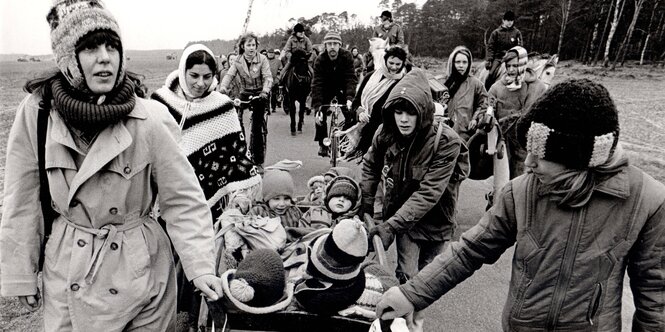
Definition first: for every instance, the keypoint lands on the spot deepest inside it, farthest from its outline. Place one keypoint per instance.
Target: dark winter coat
(569, 263)
(333, 78)
(394, 33)
(501, 40)
(420, 185)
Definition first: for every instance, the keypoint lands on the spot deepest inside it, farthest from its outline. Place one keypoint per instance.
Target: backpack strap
(44, 193)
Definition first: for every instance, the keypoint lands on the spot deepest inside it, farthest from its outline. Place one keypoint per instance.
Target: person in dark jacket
(389, 30)
(334, 78)
(579, 219)
(419, 184)
(501, 40)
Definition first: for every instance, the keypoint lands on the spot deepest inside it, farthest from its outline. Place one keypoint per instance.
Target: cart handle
(376, 241)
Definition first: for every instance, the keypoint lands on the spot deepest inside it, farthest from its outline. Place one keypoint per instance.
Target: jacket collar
(111, 141)
(618, 185)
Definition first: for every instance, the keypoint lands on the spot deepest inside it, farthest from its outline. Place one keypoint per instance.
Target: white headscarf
(181, 68)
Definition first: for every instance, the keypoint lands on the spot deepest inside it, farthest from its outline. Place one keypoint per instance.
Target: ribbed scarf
(377, 85)
(88, 116)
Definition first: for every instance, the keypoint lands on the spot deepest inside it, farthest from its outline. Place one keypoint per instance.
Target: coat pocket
(136, 251)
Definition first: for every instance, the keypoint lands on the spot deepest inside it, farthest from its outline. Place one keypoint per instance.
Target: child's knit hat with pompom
(259, 284)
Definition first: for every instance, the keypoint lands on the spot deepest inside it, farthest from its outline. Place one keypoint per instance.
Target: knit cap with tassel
(259, 284)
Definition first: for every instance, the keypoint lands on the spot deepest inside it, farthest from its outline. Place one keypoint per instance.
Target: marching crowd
(98, 173)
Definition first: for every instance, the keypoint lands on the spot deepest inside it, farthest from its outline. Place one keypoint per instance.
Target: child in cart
(279, 194)
(341, 201)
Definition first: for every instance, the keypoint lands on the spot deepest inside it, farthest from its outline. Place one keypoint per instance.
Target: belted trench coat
(108, 264)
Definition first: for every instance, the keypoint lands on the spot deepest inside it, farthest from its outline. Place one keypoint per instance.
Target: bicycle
(336, 125)
(250, 104)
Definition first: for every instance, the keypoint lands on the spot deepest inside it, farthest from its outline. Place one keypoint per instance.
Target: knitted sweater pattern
(212, 141)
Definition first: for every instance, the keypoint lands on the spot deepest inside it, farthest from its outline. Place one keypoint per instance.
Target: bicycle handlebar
(237, 102)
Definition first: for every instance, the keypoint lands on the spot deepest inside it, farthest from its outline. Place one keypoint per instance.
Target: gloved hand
(385, 232)
(488, 65)
(486, 122)
(263, 95)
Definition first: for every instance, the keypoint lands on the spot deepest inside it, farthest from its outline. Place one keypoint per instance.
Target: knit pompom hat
(259, 283)
(70, 20)
(343, 186)
(332, 37)
(337, 256)
(278, 181)
(574, 123)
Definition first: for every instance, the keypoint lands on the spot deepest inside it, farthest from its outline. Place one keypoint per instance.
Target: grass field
(637, 91)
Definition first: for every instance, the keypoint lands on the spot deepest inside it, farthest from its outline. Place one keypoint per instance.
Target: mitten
(486, 122)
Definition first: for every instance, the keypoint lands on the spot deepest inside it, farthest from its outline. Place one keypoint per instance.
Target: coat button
(113, 211)
(74, 287)
(113, 291)
(114, 246)
(81, 243)
(127, 170)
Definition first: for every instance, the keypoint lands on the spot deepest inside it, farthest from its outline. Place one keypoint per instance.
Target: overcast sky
(169, 24)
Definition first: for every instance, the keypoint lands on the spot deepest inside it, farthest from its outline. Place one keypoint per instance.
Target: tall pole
(249, 14)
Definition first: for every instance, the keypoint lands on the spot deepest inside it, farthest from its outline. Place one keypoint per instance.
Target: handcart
(228, 319)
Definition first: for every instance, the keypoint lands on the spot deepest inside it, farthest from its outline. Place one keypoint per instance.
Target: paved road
(474, 305)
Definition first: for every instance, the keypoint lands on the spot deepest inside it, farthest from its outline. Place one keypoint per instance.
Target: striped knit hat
(515, 82)
(337, 256)
(332, 37)
(574, 123)
(70, 20)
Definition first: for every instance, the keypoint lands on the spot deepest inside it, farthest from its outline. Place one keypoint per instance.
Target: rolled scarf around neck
(515, 82)
(377, 85)
(182, 70)
(88, 116)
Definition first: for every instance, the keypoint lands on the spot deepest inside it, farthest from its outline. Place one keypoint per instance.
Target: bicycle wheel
(333, 148)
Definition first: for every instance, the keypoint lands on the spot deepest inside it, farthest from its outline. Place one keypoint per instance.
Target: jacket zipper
(566, 270)
(595, 302)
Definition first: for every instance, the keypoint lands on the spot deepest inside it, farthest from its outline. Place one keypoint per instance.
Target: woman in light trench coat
(108, 264)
